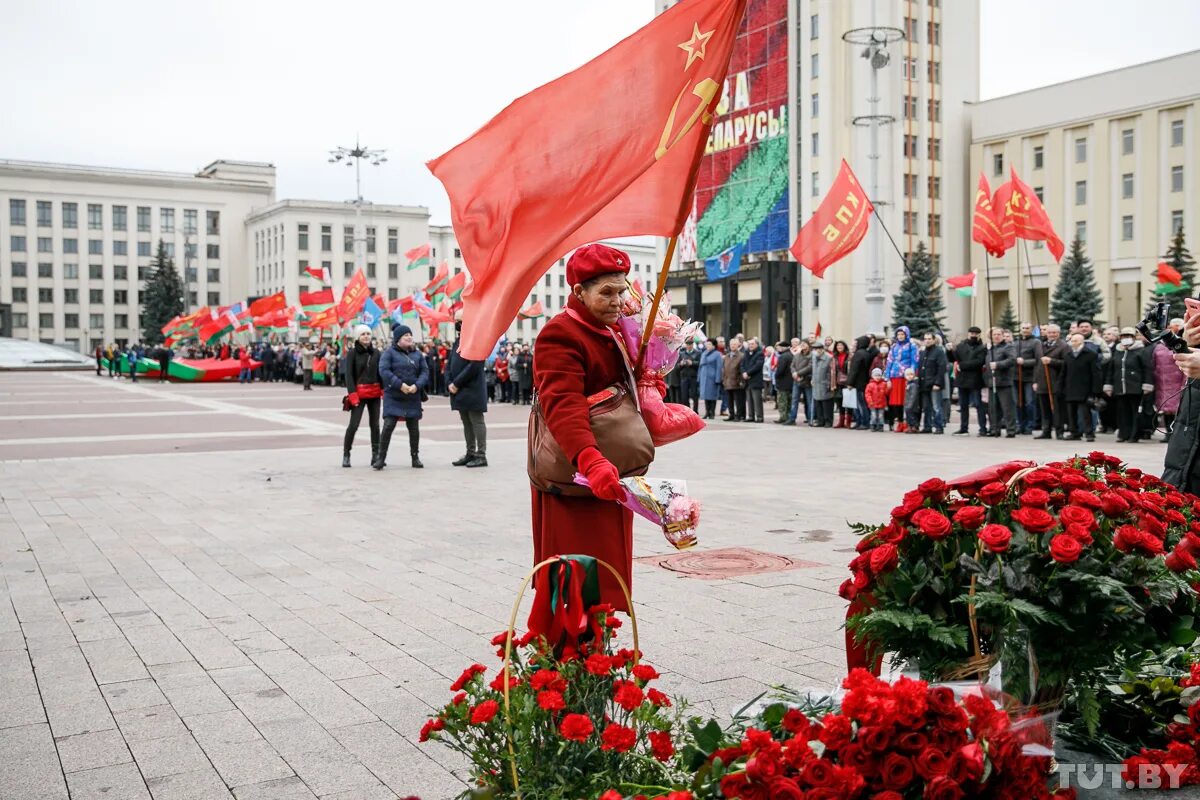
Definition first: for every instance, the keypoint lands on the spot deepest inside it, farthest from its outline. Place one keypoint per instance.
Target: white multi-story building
(76, 242)
(1114, 158)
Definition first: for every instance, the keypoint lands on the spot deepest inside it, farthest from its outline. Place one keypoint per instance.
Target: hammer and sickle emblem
(706, 90)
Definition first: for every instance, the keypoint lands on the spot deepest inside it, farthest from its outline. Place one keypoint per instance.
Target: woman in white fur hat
(363, 391)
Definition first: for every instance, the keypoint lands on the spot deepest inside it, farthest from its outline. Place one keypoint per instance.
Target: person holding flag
(363, 391)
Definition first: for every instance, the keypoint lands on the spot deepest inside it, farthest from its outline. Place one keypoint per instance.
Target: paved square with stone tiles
(197, 601)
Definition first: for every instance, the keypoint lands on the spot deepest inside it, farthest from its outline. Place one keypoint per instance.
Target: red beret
(594, 260)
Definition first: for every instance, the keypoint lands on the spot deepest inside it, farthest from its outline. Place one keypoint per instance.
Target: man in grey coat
(998, 377)
(822, 386)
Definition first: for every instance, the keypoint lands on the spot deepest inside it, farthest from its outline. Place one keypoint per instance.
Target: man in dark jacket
(931, 375)
(1181, 467)
(1128, 376)
(1048, 382)
(688, 367)
(752, 374)
(970, 356)
(783, 382)
(468, 396)
(1029, 357)
(1001, 363)
(1081, 382)
(858, 375)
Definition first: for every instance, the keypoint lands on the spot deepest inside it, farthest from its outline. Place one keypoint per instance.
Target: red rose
(970, 517)
(818, 772)
(1073, 479)
(618, 738)
(993, 493)
(1034, 520)
(912, 501)
(1086, 499)
(1045, 478)
(1113, 505)
(1035, 498)
(1153, 525)
(941, 700)
(598, 664)
(912, 742)
(628, 695)
(611, 794)
(935, 489)
(874, 738)
(431, 725)
(932, 523)
(931, 762)
(661, 745)
(645, 673)
(762, 768)
(835, 731)
(887, 794)
(782, 789)
(658, 698)
(884, 559)
(892, 533)
(1180, 559)
(576, 727)
(468, 673)
(551, 700)
(1065, 549)
(484, 712)
(942, 788)
(954, 721)
(967, 764)
(1078, 515)
(996, 537)
(1080, 533)
(794, 721)
(1129, 539)
(896, 772)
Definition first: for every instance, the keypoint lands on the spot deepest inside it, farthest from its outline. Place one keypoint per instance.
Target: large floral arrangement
(582, 720)
(1070, 561)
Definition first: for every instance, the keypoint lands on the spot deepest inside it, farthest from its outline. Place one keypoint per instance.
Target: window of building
(1081, 193)
(393, 241)
(120, 272)
(348, 238)
(120, 296)
(212, 221)
(1127, 228)
(908, 69)
(1081, 150)
(143, 249)
(1127, 142)
(191, 222)
(71, 271)
(166, 220)
(326, 237)
(95, 296)
(20, 320)
(371, 270)
(95, 247)
(45, 270)
(910, 145)
(814, 26)
(96, 271)
(935, 33)
(935, 224)
(910, 222)
(910, 185)
(1177, 133)
(1081, 230)
(302, 236)
(935, 187)
(1127, 185)
(120, 247)
(96, 321)
(214, 298)
(45, 244)
(16, 244)
(816, 104)
(1039, 157)
(815, 66)
(816, 185)
(547, 279)
(348, 269)
(45, 295)
(213, 274)
(189, 250)
(370, 240)
(393, 271)
(46, 321)
(18, 269)
(20, 294)
(911, 29)
(95, 217)
(1177, 179)
(213, 251)
(816, 298)
(934, 71)
(935, 110)
(143, 219)
(16, 212)
(1176, 221)
(121, 320)
(935, 148)
(71, 296)
(910, 107)
(1039, 194)
(170, 247)
(70, 213)
(120, 216)
(998, 164)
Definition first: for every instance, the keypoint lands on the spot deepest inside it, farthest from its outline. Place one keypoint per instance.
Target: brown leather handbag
(621, 436)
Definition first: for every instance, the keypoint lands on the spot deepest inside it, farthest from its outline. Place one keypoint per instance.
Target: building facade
(76, 242)
(1113, 157)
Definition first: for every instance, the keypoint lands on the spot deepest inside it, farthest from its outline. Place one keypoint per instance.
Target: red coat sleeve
(560, 378)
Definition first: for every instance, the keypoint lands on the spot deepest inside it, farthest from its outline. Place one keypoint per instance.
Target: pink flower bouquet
(666, 503)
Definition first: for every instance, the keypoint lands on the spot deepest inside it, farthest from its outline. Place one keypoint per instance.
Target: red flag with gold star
(608, 150)
(1030, 220)
(838, 226)
(986, 227)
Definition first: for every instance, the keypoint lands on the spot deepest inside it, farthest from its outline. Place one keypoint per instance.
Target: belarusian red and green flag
(313, 302)
(454, 287)
(434, 287)
(963, 284)
(320, 273)
(419, 256)
(1169, 280)
(533, 312)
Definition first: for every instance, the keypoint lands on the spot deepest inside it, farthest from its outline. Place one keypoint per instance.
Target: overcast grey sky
(165, 85)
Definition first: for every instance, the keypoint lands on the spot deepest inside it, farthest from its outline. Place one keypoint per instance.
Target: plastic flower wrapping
(664, 502)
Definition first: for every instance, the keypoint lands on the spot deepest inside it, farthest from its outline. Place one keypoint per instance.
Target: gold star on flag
(695, 46)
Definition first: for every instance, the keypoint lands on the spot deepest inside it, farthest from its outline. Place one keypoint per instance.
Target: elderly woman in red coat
(577, 355)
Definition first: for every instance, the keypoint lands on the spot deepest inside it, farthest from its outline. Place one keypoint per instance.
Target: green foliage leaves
(919, 303)
(162, 297)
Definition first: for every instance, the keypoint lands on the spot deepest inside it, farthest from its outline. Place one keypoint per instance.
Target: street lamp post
(355, 155)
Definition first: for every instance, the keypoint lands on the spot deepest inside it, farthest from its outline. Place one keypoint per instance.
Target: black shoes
(464, 461)
(1043, 435)
(346, 458)
(416, 462)
(477, 461)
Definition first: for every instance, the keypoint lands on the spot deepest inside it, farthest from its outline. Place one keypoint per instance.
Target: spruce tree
(919, 303)
(1180, 259)
(1008, 318)
(1076, 295)
(162, 297)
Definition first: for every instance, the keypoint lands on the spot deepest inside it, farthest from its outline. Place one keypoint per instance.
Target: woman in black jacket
(363, 391)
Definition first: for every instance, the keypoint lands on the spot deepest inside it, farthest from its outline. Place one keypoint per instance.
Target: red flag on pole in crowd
(1169, 279)
(964, 284)
(838, 226)
(324, 319)
(619, 159)
(439, 279)
(986, 227)
(1030, 220)
(354, 296)
(455, 286)
(316, 300)
(533, 312)
(320, 273)
(272, 302)
(1002, 207)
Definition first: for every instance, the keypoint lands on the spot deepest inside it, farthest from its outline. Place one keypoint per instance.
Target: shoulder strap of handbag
(625, 357)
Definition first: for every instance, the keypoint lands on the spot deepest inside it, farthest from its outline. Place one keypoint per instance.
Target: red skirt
(896, 395)
(602, 529)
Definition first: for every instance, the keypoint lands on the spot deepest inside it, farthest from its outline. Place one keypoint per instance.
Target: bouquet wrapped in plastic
(667, 422)
(666, 503)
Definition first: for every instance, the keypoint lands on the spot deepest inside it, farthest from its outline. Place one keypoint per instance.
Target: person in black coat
(363, 392)
(971, 356)
(468, 396)
(1081, 382)
(752, 374)
(688, 368)
(931, 377)
(783, 382)
(1128, 376)
(858, 376)
(404, 374)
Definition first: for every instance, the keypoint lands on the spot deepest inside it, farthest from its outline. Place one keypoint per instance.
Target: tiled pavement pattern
(231, 614)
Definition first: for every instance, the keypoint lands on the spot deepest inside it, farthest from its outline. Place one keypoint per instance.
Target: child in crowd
(877, 398)
(912, 402)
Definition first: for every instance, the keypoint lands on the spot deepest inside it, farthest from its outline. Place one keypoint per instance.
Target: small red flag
(619, 158)
(325, 319)
(439, 279)
(961, 281)
(1168, 274)
(986, 227)
(533, 312)
(320, 273)
(1030, 220)
(321, 298)
(269, 303)
(354, 296)
(838, 226)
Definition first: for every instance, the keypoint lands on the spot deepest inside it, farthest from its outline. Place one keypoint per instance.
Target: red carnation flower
(932, 523)
(836, 731)
(431, 725)
(1035, 498)
(618, 738)
(468, 673)
(576, 727)
(884, 558)
(661, 746)
(993, 493)
(645, 673)
(484, 712)
(1065, 549)
(970, 517)
(996, 537)
(598, 664)
(628, 695)
(1034, 520)
(458, 699)
(657, 698)
(551, 700)
(547, 679)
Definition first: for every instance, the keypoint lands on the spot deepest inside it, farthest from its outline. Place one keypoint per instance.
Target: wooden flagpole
(648, 328)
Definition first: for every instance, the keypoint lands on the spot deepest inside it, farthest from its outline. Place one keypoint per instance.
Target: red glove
(353, 398)
(602, 476)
